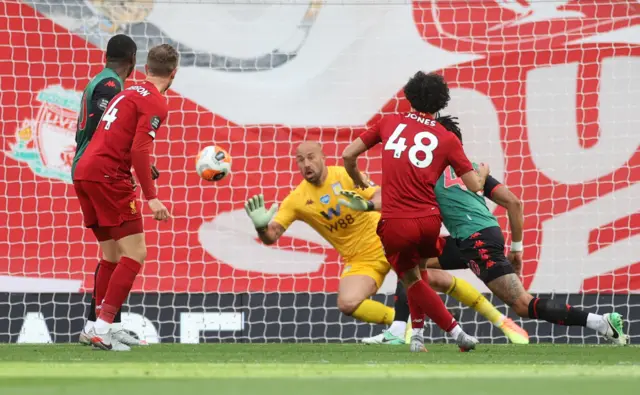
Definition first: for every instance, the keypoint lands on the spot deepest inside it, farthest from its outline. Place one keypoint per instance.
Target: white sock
(597, 323)
(116, 326)
(88, 326)
(398, 328)
(455, 332)
(417, 332)
(102, 326)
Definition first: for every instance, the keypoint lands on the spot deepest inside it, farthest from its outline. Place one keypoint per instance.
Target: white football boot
(124, 337)
(417, 341)
(106, 342)
(84, 339)
(466, 342)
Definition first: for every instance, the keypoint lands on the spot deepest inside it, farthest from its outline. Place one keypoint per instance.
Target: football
(213, 163)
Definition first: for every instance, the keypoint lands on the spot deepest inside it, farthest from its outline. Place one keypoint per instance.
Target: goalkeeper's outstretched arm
(271, 233)
(268, 231)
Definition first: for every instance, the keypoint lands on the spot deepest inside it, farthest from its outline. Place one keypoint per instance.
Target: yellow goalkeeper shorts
(377, 270)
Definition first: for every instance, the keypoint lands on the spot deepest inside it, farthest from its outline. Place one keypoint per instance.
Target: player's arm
(150, 118)
(102, 95)
(350, 155)
(502, 196)
(270, 230)
(472, 179)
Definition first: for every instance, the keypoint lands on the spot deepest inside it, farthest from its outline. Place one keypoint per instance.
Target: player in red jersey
(102, 180)
(409, 227)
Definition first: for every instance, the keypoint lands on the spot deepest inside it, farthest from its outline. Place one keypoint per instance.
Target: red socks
(424, 300)
(103, 275)
(119, 287)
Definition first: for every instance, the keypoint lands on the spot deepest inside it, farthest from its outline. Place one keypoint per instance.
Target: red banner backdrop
(525, 59)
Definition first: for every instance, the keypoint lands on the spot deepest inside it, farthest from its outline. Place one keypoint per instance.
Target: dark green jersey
(95, 98)
(463, 212)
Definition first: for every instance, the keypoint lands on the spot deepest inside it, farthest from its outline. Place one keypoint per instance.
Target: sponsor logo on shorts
(325, 199)
(309, 202)
(46, 143)
(132, 205)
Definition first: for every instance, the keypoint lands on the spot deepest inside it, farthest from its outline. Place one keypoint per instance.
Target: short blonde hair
(162, 60)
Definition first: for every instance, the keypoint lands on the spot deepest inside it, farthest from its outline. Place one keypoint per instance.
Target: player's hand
(258, 213)
(354, 201)
(133, 183)
(160, 212)
(515, 257)
(483, 170)
(154, 173)
(362, 182)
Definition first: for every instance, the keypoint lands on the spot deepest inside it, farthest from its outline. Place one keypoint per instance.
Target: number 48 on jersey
(418, 149)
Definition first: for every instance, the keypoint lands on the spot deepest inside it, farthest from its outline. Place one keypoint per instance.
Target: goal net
(547, 92)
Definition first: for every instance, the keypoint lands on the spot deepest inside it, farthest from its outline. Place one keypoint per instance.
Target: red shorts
(408, 240)
(107, 204)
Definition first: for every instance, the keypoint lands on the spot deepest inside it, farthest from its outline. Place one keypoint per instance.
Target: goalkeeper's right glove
(355, 201)
(258, 213)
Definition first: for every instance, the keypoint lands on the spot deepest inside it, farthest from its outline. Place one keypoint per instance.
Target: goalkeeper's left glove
(355, 201)
(256, 210)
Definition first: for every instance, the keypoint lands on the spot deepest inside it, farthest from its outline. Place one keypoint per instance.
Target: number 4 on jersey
(109, 116)
(397, 144)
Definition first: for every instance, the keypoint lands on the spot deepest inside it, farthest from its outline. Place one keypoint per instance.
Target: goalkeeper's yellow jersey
(352, 233)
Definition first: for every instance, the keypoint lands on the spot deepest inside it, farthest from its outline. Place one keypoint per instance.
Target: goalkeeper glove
(355, 201)
(258, 213)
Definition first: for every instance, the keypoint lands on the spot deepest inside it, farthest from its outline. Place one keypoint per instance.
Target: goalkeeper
(480, 245)
(316, 201)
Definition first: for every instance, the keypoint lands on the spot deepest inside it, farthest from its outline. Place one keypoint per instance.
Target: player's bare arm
(502, 196)
(271, 233)
(350, 158)
(474, 180)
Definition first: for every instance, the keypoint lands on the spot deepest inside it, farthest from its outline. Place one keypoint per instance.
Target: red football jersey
(138, 109)
(416, 151)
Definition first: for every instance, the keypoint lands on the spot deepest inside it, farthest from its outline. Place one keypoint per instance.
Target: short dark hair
(427, 93)
(451, 124)
(162, 60)
(121, 49)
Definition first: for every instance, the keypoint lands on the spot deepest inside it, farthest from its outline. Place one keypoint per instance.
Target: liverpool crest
(46, 143)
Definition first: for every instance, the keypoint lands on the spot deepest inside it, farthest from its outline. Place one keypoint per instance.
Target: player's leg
(509, 289)
(117, 208)
(493, 268)
(131, 243)
(452, 259)
(90, 198)
(359, 281)
(102, 275)
(395, 334)
(404, 242)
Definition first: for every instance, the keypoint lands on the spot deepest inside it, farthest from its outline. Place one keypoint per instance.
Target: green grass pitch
(322, 369)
